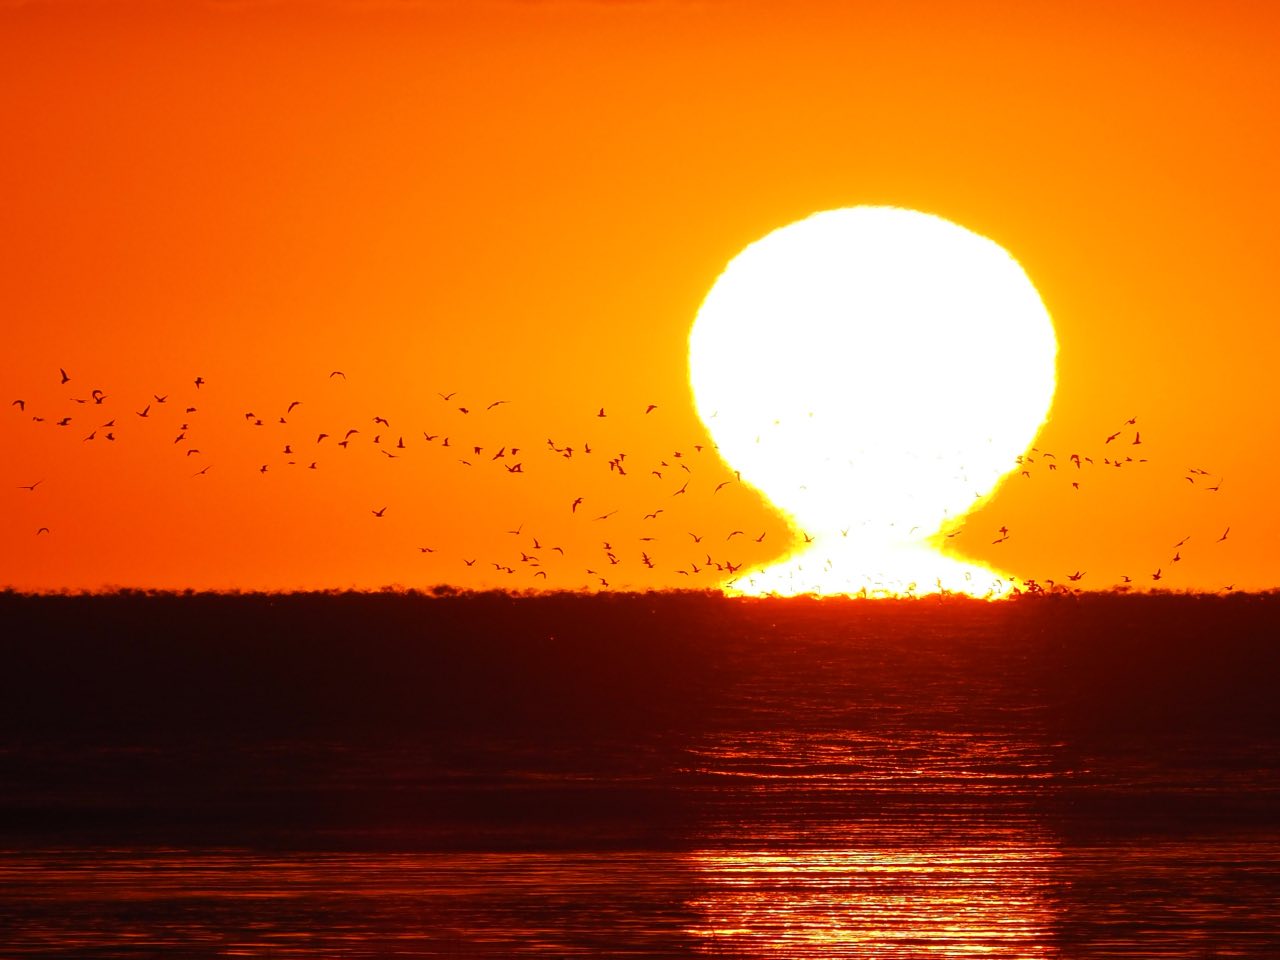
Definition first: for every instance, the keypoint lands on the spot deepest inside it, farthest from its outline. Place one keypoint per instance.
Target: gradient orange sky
(527, 201)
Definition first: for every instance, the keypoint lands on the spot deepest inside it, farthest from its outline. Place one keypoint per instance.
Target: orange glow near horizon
(515, 210)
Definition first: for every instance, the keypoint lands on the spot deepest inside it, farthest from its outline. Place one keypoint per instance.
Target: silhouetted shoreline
(398, 719)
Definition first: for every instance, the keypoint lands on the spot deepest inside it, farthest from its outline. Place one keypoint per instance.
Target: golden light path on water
(878, 845)
(875, 372)
(988, 901)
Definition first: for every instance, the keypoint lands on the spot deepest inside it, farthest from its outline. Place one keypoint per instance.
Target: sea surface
(675, 775)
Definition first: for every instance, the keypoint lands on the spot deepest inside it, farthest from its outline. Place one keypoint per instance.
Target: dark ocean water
(643, 776)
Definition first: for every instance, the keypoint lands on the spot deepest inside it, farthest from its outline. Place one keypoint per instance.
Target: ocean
(655, 775)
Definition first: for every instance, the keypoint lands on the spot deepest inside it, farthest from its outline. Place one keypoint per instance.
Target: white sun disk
(874, 372)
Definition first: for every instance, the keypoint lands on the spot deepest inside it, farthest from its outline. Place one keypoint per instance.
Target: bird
(1224, 535)
(292, 404)
(381, 420)
(736, 533)
(1137, 438)
(20, 404)
(760, 539)
(160, 399)
(42, 530)
(652, 516)
(426, 549)
(723, 483)
(650, 408)
(573, 507)
(469, 563)
(65, 378)
(202, 472)
(496, 403)
(1075, 576)
(31, 486)
(696, 538)
(145, 410)
(446, 397)
(601, 413)
(199, 381)
(337, 373)
(1156, 575)
(378, 513)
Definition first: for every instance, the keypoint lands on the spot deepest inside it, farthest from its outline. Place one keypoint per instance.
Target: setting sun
(874, 372)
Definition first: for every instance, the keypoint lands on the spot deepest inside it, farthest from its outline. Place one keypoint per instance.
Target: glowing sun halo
(874, 372)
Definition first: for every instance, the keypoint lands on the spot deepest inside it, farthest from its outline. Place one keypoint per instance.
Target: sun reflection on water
(913, 843)
(989, 900)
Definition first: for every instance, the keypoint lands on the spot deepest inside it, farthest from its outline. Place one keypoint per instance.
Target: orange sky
(527, 202)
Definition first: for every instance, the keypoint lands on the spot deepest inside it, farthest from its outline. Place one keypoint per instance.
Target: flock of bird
(675, 479)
